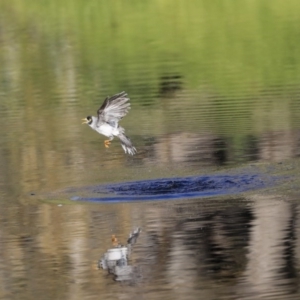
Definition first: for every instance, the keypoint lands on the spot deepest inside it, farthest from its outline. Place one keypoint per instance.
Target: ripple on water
(172, 188)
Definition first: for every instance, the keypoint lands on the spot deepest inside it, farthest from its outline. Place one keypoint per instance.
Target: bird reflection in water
(115, 260)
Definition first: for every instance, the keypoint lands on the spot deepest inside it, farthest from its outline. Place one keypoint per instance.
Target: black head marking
(90, 120)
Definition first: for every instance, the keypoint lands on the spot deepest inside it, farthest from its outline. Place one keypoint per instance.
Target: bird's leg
(114, 240)
(107, 142)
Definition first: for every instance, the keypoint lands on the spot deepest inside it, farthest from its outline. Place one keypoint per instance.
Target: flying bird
(109, 114)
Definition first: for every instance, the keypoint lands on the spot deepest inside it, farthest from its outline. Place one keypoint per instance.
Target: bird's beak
(85, 121)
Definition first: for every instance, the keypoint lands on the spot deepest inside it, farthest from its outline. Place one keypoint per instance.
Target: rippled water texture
(172, 188)
(215, 117)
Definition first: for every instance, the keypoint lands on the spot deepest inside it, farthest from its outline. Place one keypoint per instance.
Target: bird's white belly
(107, 130)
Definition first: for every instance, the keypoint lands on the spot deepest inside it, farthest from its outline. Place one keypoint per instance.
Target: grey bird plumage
(110, 113)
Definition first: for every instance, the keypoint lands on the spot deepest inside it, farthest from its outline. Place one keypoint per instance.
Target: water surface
(214, 87)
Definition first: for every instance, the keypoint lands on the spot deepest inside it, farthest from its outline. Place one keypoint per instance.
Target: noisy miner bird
(110, 113)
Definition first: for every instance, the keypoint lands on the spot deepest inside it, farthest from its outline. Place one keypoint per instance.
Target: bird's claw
(114, 241)
(106, 143)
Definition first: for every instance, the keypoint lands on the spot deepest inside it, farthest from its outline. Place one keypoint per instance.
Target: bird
(109, 114)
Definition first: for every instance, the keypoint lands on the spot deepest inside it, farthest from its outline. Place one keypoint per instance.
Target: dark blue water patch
(173, 188)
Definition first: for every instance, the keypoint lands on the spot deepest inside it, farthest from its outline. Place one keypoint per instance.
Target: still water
(214, 88)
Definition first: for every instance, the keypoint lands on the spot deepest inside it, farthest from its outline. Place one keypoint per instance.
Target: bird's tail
(126, 144)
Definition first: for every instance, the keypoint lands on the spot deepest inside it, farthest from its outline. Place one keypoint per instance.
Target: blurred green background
(229, 46)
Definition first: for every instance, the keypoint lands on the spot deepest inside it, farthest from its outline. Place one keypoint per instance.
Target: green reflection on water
(228, 45)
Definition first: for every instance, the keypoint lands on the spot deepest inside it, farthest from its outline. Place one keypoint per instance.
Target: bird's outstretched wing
(113, 109)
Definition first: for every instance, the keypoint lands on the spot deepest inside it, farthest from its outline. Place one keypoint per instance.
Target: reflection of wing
(113, 109)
